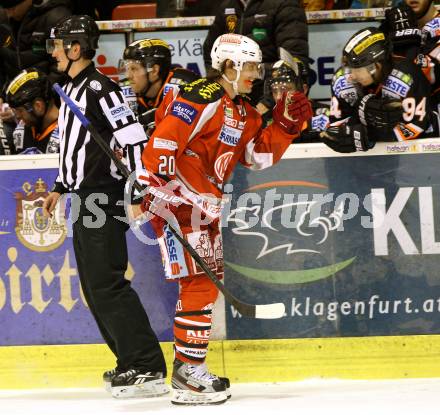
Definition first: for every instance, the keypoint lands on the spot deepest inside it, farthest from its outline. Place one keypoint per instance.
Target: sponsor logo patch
(229, 135)
(368, 42)
(344, 89)
(356, 39)
(172, 254)
(231, 122)
(165, 144)
(120, 112)
(405, 77)
(320, 122)
(185, 112)
(395, 87)
(167, 88)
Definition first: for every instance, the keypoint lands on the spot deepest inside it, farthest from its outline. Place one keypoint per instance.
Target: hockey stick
(263, 311)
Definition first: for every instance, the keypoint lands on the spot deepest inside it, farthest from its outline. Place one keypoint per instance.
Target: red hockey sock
(192, 323)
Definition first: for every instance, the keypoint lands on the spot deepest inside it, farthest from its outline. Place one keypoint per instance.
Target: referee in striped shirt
(100, 247)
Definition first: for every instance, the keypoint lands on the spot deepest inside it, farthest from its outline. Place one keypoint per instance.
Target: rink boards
(351, 291)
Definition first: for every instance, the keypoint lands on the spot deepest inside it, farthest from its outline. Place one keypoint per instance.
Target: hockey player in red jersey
(201, 134)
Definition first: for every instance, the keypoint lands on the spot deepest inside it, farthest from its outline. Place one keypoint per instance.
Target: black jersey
(7, 147)
(429, 58)
(83, 165)
(405, 82)
(27, 140)
(176, 78)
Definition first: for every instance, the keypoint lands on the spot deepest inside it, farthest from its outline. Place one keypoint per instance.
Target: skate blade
(147, 390)
(188, 397)
(108, 386)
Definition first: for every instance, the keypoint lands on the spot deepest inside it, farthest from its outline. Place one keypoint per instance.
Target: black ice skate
(194, 385)
(138, 384)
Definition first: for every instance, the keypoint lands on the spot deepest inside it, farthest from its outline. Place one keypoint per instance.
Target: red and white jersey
(202, 134)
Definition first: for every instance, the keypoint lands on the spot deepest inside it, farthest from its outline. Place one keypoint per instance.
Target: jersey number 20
(167, 165)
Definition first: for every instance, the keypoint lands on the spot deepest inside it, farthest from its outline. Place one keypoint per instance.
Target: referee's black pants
(101, 257)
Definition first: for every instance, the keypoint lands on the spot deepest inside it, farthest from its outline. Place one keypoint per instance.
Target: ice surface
(323, 397)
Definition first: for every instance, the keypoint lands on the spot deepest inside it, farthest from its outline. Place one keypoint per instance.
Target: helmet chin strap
(71, 61)
(234, 83)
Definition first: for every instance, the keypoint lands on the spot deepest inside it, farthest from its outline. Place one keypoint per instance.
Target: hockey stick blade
(270, 311)
(265, 311)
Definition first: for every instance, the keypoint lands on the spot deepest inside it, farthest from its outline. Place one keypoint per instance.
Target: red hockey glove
(291, 111)
(158, 192)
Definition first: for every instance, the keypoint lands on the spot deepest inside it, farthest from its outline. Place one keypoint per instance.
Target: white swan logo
(327, 224)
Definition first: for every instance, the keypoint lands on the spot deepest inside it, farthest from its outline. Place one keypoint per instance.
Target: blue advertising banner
(40, 298)
(351, 245)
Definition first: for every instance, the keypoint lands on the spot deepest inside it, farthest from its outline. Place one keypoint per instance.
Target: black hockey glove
(380, 113)
(146, 119)
(401, 26)
(347, 138)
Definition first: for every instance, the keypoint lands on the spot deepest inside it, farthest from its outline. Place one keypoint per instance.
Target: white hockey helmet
(238, 48)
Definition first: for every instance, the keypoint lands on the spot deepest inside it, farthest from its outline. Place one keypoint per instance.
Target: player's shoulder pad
(400, 79)
(202, 91)
(432, 28)
(340, 72)
(341, 81)
(181, 76)
(406, 70)
(343, 88)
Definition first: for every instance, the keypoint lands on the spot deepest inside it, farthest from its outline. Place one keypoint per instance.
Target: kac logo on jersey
(185, 112)
(229, 135)
(221, 164)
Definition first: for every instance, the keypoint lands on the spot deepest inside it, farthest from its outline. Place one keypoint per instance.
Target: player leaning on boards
(377, 97)
(100, 247)
(201, 134)
(31, 98)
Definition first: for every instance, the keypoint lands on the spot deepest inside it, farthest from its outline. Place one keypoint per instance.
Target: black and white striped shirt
(83, 165)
